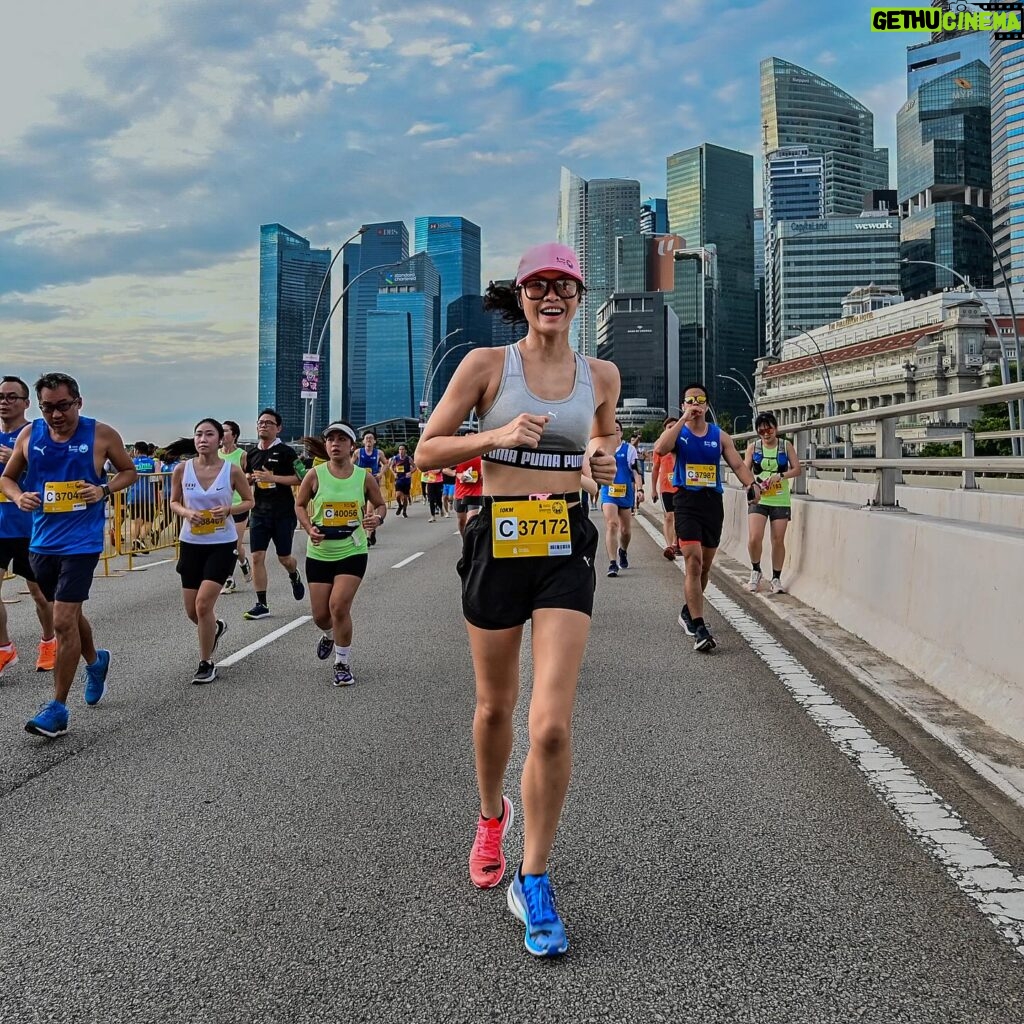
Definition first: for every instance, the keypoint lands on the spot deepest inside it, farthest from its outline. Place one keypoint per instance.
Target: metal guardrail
(888, 460)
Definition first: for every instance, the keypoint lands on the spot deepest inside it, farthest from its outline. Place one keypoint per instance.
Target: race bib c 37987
(701, 475)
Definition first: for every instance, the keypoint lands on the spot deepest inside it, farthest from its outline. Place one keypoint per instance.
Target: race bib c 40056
(701, 475)
(62, 496)
(340, 513)
(530, 528)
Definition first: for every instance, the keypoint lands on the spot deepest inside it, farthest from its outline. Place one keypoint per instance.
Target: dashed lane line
(406, 561)
(231, 659)
(987, 881)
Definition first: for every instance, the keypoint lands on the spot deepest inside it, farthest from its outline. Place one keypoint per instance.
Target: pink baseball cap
(549, 256)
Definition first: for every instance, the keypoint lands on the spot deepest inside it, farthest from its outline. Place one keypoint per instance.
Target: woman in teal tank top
(330, 508)
(774, 462)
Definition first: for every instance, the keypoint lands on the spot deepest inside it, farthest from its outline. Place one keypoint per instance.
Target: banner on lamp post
(310, 375)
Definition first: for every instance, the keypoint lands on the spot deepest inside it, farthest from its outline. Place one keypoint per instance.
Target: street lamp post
(746, 393)
(430, 378)
(427, 373)
(1016, 443)
(311, 402)
(968, 219)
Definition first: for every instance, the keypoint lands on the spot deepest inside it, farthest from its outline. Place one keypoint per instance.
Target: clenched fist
(523, 432)
(602, 467)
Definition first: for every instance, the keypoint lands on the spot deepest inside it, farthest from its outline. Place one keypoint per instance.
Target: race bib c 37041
(62, 496)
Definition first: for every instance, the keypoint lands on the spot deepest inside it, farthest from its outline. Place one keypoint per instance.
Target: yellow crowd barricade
(141, 521)
(8, 575)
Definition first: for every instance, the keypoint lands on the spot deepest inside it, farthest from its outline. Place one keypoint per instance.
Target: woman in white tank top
(202, 491)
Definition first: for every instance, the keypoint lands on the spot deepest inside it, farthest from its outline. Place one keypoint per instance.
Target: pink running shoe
(487, 859)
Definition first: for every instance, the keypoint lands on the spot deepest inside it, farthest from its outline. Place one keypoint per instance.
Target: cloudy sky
(143, 142)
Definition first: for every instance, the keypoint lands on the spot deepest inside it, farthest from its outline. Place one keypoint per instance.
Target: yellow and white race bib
(617, 490)
(264, 486)
(340, 513)
(701, 475)
(208, 524)
(3, 497)
(530, 528)
(62, 496)
(773, 491)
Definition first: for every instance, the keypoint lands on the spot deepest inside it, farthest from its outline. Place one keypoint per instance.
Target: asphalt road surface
(271, 848)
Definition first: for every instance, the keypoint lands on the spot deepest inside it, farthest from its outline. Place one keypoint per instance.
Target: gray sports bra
(571, 418)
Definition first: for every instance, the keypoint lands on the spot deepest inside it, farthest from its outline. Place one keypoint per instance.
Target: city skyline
(150, 146)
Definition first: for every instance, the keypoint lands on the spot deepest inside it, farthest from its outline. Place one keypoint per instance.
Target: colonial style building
(941, 344)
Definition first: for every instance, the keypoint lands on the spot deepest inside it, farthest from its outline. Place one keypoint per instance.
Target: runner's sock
(261, 596)
(776, 574)
(7, 647)
(698, 622)
(756, 566)
(342, 654)
(293, 576)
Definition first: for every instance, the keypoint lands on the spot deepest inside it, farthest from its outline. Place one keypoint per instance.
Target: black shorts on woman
(502, 593)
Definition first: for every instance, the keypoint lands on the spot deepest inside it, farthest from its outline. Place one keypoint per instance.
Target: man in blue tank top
(373, 460)
(60, 462)
(699, 448)
(15, 530)
(617, 501)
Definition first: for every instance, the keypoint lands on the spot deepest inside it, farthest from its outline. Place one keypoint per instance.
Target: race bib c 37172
(530, 528)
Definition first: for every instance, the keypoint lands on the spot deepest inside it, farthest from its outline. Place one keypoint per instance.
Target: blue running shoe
(533, 902)
(96, 679)
(324, 646)
(623, 559)
(51, 721)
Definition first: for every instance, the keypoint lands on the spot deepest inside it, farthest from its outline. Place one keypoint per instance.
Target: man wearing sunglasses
(699, 448)
(60, 461)
(15, 531)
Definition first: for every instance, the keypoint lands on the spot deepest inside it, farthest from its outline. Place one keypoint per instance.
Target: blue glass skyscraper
(381, 244)
(396, 359)
(291, 274)
(454, 246)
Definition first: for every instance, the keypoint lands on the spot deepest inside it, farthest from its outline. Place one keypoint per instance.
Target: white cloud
(440, 51)
(334, 62)
(424, 128)
(375, 34)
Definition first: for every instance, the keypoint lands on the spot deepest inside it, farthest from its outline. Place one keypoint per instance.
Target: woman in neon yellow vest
(774, 463)
(329, 507)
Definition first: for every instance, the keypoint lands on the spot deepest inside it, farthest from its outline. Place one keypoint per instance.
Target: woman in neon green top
(774, 462)
(330, 508)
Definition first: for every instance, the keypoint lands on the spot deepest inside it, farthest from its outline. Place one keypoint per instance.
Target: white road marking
(231, 659)
(149, 565)
(404, 562)
(989, 882)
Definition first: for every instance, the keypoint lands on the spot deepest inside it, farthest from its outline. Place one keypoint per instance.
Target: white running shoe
(754, 583)
(777, 587)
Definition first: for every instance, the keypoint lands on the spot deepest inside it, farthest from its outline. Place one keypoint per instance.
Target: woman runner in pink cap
(545, 411)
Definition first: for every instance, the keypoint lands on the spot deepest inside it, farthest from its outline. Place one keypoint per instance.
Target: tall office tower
(931, 60)
(630, 273)
(291, 274)
(383, 244)
(793, 184)
(759, 294)
(820, 261)
(401, 335)
(800, 108)
(654, 216)
(475, 330)
(944, 173)
(711, 203)
(454, 245)
(572, 223)
(639, 332)
(1007, 63)
(591, 216)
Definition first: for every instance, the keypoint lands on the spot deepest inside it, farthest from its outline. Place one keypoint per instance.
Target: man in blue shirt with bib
(60, 462)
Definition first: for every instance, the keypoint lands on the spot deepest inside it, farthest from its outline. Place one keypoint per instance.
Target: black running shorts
(279, 529)
(242, 517)
(201, 563)
(14, 553)
(500, 593)
(470, 501)
(66, 578)
(699, 517)
(668, 501)
(320, 571)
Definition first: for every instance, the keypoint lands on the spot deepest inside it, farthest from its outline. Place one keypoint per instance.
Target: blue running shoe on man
(531, 900)
(51, 721)
(96, 679)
